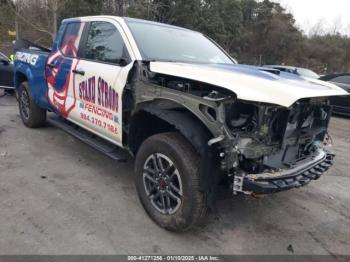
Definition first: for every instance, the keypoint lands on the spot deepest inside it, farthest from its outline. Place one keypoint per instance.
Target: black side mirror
(123, 62)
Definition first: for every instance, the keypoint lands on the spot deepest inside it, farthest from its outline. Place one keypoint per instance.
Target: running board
(107, 148)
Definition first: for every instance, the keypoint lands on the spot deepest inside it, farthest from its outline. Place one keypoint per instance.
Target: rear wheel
(31, 114)
(167, 181)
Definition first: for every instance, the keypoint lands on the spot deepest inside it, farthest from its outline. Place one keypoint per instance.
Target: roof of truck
(118, 18)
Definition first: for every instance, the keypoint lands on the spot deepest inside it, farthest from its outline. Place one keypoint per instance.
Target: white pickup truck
(177, 102)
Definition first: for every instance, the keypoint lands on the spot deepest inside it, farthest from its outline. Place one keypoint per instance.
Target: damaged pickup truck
(174, 100)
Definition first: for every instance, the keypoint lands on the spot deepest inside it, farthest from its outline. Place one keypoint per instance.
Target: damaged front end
(279, 148)
(262, 148)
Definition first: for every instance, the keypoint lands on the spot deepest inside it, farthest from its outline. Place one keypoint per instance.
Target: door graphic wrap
(59, 76)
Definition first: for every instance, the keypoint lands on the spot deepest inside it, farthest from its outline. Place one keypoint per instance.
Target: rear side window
(70, 42)
(104, 43)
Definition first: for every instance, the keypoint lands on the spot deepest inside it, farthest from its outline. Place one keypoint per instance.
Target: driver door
(100, 75)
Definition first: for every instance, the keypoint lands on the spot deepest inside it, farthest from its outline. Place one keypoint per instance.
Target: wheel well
(150, 121)
(143, 125)
(20, 78)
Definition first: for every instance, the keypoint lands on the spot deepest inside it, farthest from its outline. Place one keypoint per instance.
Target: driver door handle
(79, 72)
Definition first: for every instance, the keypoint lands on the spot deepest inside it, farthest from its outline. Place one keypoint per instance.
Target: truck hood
(252, 83)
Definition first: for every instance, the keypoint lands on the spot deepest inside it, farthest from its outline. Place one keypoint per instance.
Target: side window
(70, 42)
(104, 43)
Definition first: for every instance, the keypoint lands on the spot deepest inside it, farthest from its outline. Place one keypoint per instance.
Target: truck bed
(30, 66)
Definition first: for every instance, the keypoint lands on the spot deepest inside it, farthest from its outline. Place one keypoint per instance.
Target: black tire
(193, 207)
(31, 114)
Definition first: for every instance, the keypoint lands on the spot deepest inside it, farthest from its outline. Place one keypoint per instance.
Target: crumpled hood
(252, 83)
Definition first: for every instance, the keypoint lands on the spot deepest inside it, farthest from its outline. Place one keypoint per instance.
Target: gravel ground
(59, 196)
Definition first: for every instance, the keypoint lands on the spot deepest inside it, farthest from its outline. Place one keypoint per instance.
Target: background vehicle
(304, 72)
(6, 73)
(180, 105)
(341, 105)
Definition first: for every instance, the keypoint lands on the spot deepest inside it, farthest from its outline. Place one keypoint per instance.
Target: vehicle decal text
(105, 95)
(99, 123)
(26, 58)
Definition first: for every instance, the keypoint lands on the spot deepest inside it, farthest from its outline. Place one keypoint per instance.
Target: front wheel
(31, 114)
(167, 181)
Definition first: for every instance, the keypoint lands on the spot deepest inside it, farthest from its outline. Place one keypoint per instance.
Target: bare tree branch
(26, 21)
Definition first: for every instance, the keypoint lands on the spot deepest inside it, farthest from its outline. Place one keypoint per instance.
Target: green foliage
(254, 32)
(5, 25)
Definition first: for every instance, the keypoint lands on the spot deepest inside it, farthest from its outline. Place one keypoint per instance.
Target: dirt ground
(59, 196)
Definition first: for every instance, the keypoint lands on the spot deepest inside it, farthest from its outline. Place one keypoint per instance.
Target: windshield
(166, 43)
(307, 73)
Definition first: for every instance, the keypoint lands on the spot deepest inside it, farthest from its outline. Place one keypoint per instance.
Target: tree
(45, 10)
(254, 32)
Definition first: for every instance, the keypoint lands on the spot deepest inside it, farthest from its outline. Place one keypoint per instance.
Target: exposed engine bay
(274, 138)
(251, 137)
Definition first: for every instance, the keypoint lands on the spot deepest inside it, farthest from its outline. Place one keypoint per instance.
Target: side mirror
(123, 62)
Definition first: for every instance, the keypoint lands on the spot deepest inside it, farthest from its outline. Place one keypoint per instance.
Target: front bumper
(295, 177)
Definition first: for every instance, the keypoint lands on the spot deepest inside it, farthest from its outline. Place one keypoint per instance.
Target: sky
(310, 13)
